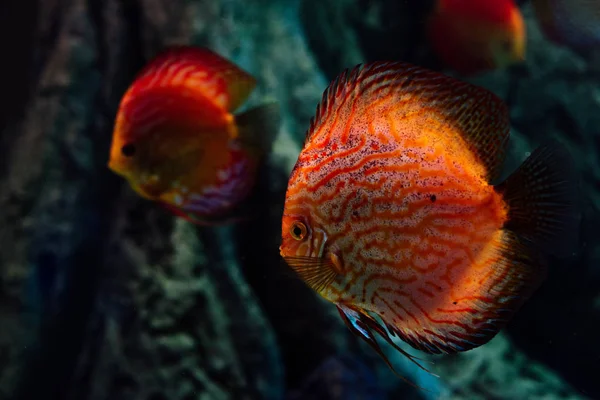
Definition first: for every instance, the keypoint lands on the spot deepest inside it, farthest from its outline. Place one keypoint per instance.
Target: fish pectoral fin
(316, 272)
(257, 128)
(363, 325)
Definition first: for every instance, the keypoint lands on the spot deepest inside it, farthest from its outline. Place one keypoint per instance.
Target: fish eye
(506, 46)
(128, 150)
(298, 230)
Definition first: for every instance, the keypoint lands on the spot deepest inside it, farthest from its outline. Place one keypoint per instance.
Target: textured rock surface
(147, 308)
(340, 378)
(105, 296)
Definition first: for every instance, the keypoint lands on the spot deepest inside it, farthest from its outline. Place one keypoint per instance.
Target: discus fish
(472, 36)
(390, 215)
(177, 143)
(574, 23)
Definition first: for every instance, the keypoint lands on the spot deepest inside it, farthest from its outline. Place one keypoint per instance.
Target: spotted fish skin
(392, 193)
(176, 140)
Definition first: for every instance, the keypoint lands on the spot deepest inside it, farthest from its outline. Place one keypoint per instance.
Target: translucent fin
(543, 196)
(480, 116)
(363, 325)
(258, 128)
(318, 273)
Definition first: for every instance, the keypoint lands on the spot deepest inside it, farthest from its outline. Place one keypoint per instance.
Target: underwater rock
(108, 290)
(340, 378)
(178, 330)
(499, 371)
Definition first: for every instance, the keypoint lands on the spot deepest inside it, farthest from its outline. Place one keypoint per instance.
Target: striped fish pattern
(389, 213)
(177, 141)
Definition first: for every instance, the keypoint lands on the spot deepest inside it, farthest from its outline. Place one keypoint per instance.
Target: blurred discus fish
(574, 23)
(177, 142)
(472, 36)
(389, 213)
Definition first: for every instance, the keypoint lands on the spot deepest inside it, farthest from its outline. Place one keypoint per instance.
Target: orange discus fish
(389, 213)
(575, 23)
(472, 36)
(177, 142)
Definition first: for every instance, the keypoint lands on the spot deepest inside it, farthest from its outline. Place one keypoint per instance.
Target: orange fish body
(574, 23)
(176, 140)
(472, 36)
(389, 212)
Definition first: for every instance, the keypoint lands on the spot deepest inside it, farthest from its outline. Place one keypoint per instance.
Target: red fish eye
(128, 150)
(298, 230)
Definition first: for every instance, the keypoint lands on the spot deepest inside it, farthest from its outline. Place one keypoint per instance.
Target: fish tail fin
(543, 200)
(258, 127)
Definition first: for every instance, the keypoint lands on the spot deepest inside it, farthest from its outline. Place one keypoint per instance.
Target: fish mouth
(117, 168)
(113, 166)
(150, 189)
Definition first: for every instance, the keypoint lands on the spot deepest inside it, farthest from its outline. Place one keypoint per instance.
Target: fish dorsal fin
(202, 69)
(481, 117)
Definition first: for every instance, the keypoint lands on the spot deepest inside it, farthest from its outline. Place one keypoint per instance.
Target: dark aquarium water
(211, 199)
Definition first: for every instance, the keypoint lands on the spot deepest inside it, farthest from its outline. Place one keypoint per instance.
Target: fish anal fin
(472, 113)
(363, 325)
(480, 303)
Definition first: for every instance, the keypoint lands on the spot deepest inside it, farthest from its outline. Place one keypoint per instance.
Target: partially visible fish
(472, 36)
(177, 142)
(390, 214)
(572, 23)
